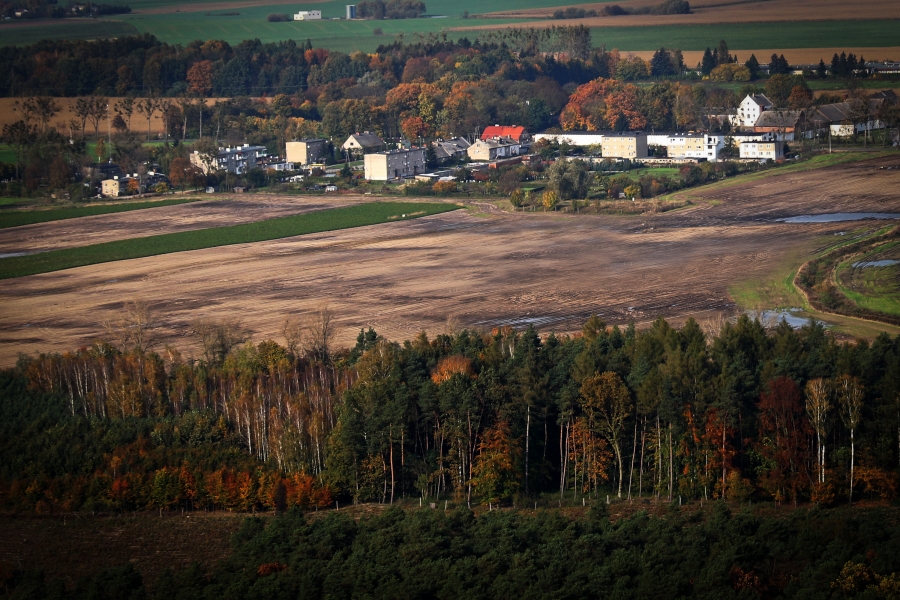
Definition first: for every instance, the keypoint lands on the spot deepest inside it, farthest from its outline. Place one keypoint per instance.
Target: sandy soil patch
(483, 270)
(221, 210)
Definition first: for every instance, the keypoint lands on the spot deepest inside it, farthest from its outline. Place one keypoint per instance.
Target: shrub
(444, 188)
(278, 17)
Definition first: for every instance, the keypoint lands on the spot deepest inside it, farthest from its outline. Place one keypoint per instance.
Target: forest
(744, 413)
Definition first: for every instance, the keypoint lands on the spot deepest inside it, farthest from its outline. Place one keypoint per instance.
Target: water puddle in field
(837, 217)
(864, 264)
(14, 254)
(795, 320)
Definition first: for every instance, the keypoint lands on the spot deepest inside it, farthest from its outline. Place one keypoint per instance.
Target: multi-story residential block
(307, 151)
(237, 160)
(632, 145)
(773, 150)
(394, 164)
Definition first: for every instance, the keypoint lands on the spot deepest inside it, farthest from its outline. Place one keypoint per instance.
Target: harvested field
(9, 115)
(721, 11)
(482, 270)
(219, 211)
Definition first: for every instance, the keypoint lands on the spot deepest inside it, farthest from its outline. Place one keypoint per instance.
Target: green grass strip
(282, 227)
(30, 217)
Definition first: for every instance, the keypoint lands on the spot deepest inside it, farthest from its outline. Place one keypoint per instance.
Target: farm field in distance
(482, 268)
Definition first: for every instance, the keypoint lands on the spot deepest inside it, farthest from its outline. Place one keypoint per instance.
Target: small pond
(864, 264)
(837, 217)
(793, 319)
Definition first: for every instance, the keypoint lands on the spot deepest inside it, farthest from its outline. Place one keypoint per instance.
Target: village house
(394, 164)
(843, 119)
(363, 143)
(785, 125)
(625, 145)
(493, 149)
(515, 133)
(751, 108)
(120, 186)
(454, 149)
(695, 145)
(304, 152)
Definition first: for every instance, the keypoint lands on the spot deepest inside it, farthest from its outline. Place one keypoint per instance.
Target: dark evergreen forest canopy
(663, 416)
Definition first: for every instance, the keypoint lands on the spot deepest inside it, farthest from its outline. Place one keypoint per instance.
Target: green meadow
(30, 217)
(325, 220)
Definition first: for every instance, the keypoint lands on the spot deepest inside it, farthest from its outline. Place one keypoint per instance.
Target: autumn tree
(817, 406)
(851, 393)
(199, 76)
(549, 199)
(783, 433)
(182, 173)
(607, 403)
(148, 107)
(495, 470)
(570, 179)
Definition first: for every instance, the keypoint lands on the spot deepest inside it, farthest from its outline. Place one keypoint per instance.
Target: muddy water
(863, 264)
(793, 317)
(837, 217)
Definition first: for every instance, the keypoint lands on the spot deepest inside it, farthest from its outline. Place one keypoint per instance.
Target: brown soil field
(479, 268)
(719, 11)
(219, 211)
(9, 115)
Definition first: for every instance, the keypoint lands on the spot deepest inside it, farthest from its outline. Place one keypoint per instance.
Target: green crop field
(30, 217)
(65, 29)
(326, 220)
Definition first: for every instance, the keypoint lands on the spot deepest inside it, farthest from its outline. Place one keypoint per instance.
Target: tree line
(742, 412)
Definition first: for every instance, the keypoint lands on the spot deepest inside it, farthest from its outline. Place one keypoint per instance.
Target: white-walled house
(751, 108)
(772, 150)
(308, 15)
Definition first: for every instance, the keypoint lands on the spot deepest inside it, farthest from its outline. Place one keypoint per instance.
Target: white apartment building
(772, 150)
(308, 15)
(394, 164)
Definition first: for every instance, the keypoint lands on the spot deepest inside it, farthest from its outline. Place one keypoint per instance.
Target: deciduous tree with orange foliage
(495, 472)
(784, 433)
(603, 104)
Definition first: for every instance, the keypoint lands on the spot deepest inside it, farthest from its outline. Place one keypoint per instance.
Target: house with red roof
(518, 134)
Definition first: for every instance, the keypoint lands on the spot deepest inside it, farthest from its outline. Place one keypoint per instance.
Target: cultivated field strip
(217, 212)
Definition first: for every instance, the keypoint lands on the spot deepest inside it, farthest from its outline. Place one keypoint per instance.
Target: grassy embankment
(872, 288)
(315, 222)
(776, 290)
(17, 218)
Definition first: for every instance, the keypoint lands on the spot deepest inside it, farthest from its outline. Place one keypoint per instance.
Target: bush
(377, 31)
(278, 18)
(445, 188)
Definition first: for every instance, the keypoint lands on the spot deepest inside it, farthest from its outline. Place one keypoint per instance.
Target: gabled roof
(760, 99)
(449, 148)
(496, 131)
(841, 111)
(779, 118)
(367, 140)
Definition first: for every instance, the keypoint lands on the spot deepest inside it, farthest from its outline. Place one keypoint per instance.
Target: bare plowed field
(481, 269)
(718, 11)
(228, 210)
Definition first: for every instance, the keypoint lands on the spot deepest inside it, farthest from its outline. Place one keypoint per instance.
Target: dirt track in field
(222, 210)
(482, 269)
